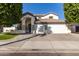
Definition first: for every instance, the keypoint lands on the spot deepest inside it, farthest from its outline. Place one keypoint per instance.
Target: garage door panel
(59, 28)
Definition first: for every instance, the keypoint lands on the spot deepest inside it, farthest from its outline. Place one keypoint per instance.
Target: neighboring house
(41, 23)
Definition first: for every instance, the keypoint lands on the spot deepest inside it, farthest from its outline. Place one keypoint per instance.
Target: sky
(44, 8)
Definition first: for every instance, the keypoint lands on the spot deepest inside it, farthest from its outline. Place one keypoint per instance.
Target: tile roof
(39, 15)
(53, 21)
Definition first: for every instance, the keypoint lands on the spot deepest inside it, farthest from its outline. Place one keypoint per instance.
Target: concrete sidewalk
(51, 44)
(15, 39)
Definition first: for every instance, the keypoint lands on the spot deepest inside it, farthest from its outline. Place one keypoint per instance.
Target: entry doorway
(29, 28)
(28, 25)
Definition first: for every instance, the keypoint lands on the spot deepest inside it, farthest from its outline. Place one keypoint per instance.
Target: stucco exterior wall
(47, 16)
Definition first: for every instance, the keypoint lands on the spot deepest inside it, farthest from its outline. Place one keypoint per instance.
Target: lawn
(6, 36)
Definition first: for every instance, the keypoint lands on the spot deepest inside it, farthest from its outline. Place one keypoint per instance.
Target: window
(34, 27)
(50, 17)
(41, 29)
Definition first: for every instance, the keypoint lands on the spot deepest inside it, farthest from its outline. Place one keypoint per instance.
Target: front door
(29, 28)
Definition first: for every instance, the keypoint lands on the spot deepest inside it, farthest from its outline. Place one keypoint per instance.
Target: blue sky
(44, 8)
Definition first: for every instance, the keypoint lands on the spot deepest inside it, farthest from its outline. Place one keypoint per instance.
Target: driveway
(50, 44)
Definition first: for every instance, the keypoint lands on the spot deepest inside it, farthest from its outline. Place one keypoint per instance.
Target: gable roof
(38, 15)
(42, 15)
(53, 21)
(28, 13)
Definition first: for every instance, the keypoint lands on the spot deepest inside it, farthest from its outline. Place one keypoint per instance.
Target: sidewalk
(15, 39)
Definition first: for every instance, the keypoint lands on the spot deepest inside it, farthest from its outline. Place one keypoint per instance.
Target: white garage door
(59, 28)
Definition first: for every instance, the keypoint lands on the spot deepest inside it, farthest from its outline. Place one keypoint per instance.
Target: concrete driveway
(50, 44)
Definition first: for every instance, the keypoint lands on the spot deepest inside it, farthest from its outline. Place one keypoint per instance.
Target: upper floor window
(50, 17)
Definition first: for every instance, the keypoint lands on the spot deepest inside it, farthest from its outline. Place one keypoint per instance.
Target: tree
(71, 12)
(10, 13)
